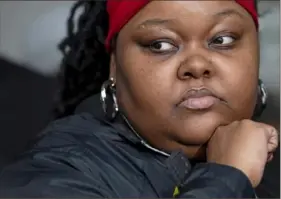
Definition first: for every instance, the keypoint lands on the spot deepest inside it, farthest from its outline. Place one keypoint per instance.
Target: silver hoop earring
(264, 93)
(107, 95)
(261, 99)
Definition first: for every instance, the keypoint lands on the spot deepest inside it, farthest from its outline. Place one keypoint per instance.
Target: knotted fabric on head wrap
(121, 11)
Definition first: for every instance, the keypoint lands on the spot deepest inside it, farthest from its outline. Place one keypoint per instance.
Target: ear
(112, 66)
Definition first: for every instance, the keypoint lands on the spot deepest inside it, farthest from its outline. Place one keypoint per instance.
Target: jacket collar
(93, 106)
(177, 163)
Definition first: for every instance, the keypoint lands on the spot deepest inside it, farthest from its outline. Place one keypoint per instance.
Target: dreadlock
(85, 64)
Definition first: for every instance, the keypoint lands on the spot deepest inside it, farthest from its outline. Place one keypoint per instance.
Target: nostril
(206, 73)
(188, 74)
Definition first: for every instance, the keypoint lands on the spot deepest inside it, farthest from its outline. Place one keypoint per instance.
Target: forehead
(186, 10)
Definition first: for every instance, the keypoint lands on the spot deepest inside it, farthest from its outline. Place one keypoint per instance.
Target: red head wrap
(121, 11)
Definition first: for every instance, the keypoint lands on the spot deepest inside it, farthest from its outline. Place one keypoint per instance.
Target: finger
(271, 135)
(273, 140)
(270, 157)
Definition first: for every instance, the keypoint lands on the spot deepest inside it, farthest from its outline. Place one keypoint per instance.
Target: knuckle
(247, 122)
(219, 129)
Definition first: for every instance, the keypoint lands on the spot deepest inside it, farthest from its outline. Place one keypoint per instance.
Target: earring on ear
(261, 99)
(107, 96)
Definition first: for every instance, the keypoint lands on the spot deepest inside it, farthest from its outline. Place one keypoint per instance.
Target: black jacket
(85, 155)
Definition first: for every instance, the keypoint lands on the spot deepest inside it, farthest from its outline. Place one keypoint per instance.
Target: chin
(198, 129)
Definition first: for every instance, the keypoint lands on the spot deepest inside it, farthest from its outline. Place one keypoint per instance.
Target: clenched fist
(245, 145)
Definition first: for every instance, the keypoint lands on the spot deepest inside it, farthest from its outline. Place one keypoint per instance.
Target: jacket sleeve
(210, 180)
(53, 168)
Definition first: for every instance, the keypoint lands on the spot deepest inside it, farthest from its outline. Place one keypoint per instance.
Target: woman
(175, 84)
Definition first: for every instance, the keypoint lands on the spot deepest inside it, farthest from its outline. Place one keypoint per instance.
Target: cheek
(145, 85)
(239, 81)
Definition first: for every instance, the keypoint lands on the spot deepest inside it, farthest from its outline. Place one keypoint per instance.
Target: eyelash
(223, 46)
(150, 45)
(174, 47)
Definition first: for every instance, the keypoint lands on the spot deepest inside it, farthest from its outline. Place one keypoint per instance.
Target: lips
(199, 99)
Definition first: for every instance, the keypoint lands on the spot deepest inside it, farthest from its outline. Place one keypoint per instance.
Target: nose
(195, 66)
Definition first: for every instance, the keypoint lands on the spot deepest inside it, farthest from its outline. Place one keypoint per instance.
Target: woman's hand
(245, 145)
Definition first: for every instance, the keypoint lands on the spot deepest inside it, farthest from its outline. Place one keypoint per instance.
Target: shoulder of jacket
(75, 130)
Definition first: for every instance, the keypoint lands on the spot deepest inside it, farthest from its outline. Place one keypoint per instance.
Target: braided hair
(85, 64)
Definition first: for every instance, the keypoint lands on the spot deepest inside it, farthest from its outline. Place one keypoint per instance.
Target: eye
(223, 41)
(162, 47)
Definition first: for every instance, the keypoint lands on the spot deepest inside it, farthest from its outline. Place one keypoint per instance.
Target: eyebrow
(158, 21)
(229, 12)
(154, 22)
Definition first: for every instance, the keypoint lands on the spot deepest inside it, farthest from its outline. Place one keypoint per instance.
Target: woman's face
(183, 68)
